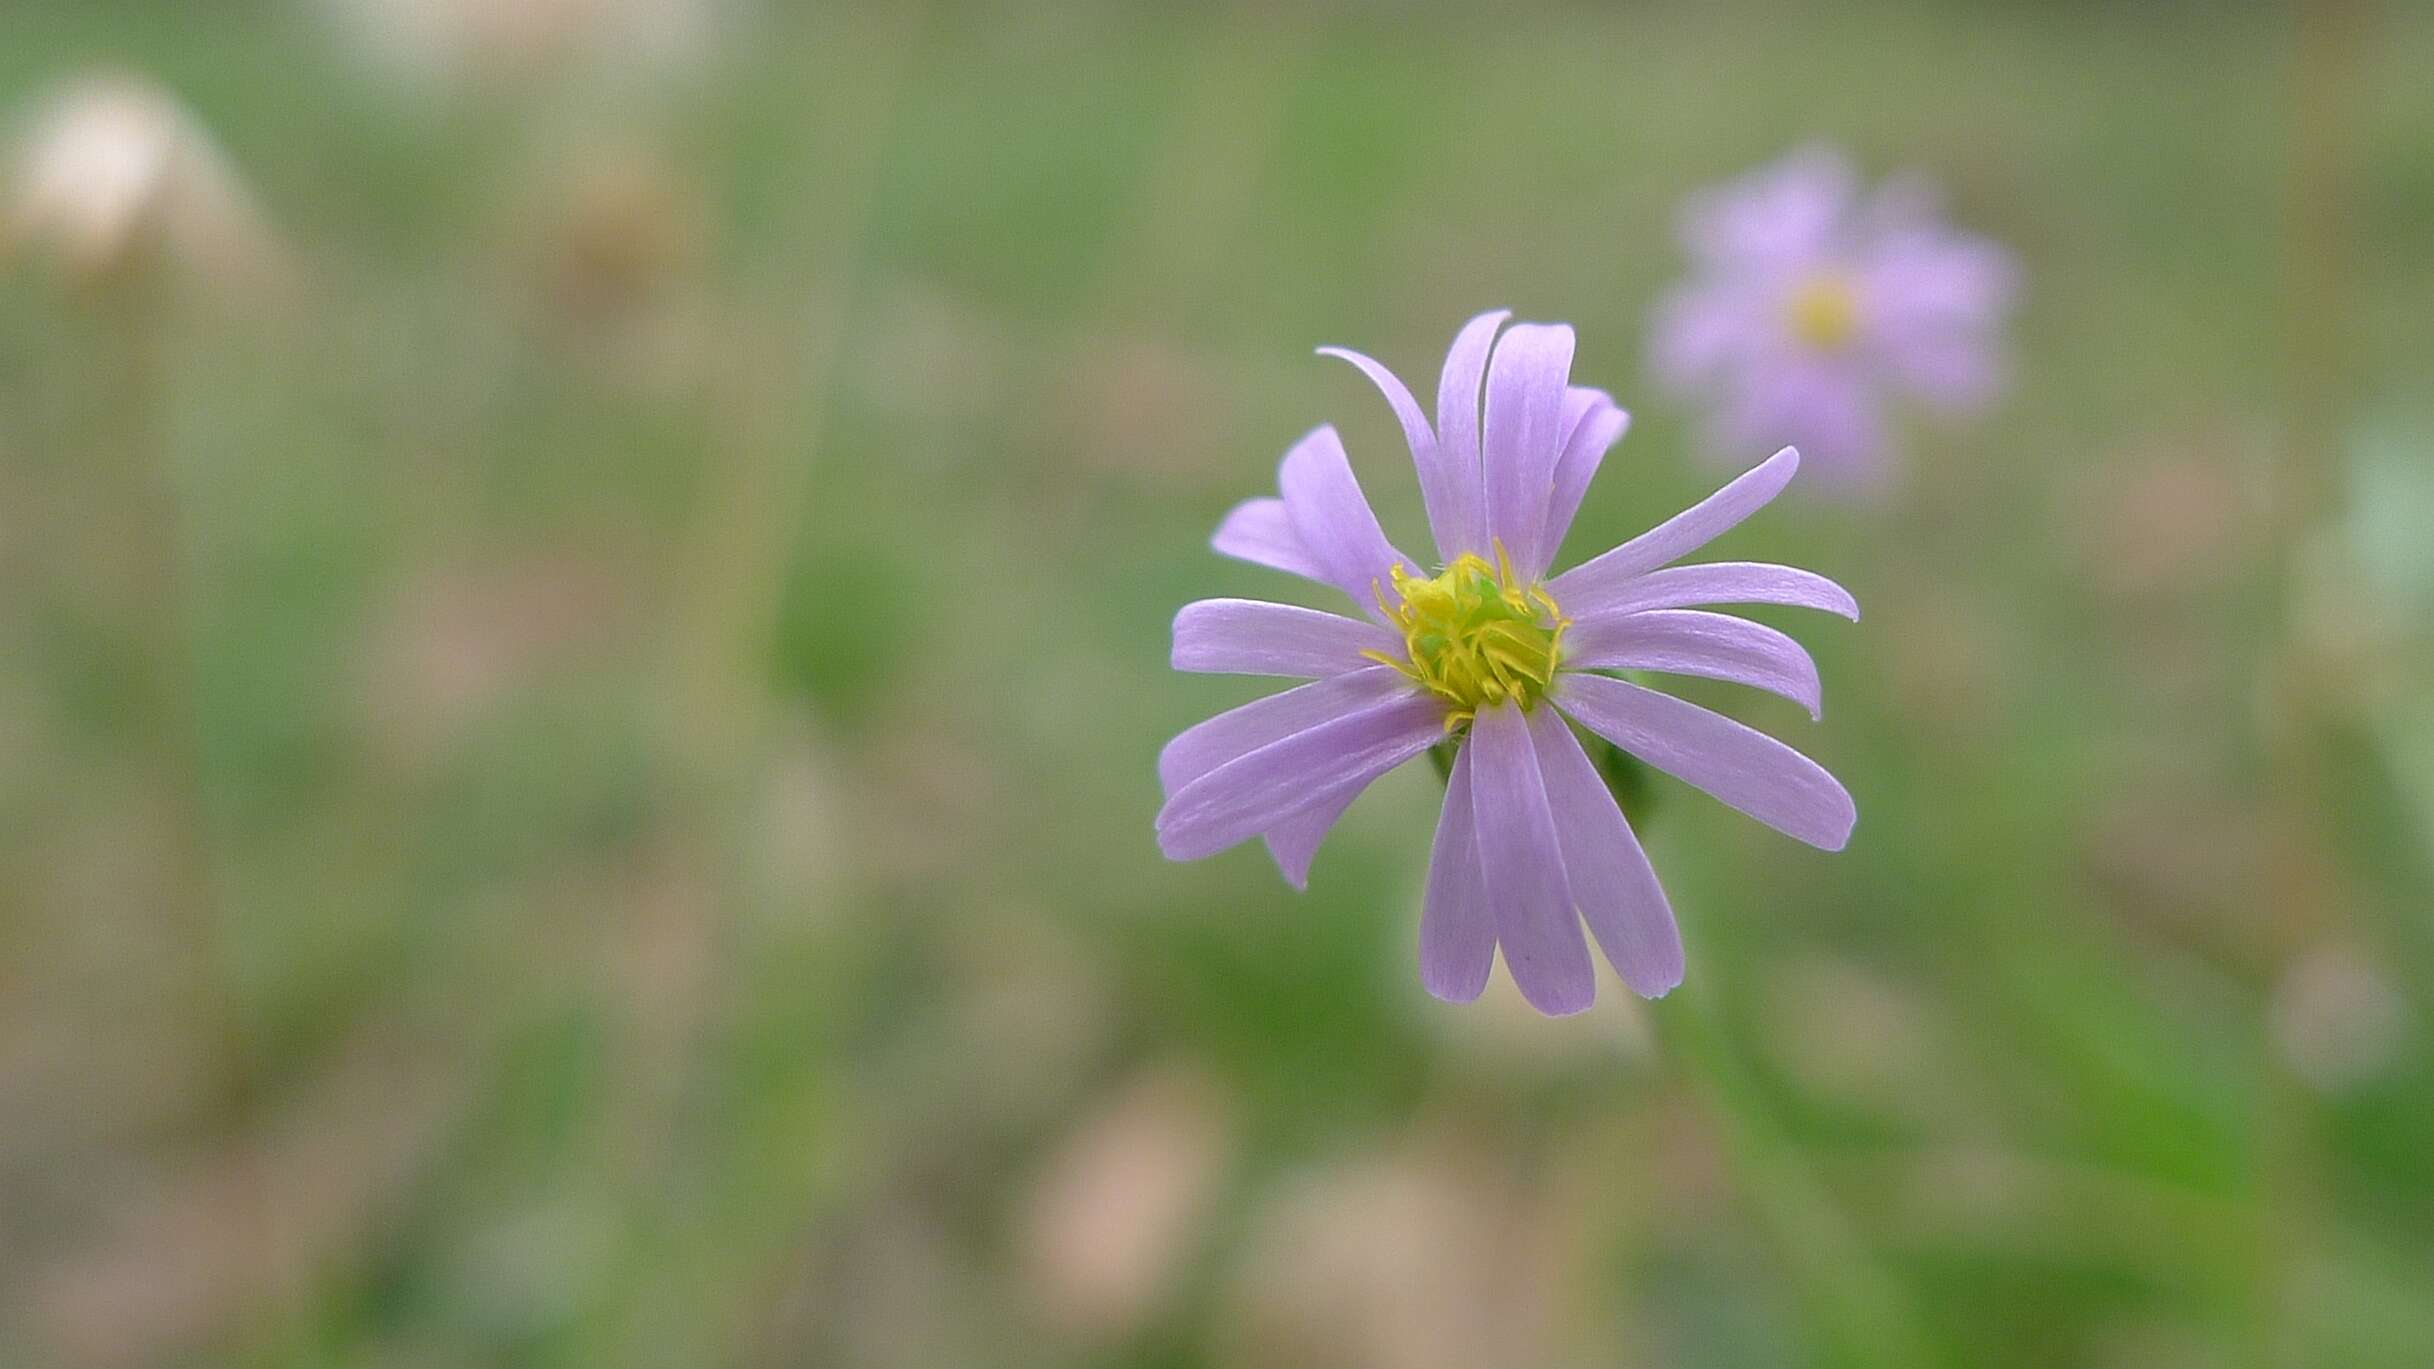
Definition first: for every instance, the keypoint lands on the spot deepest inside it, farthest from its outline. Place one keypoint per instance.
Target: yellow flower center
(1824, 312)
(1474, 635)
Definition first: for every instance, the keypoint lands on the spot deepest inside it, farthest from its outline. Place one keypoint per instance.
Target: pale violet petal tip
(1332, 517)
(1526, 383)
(1459, 393)
(1447, 483)
(1613, 572)
(1416, 432)
(1591, 434)
(1294, 843)
(1260, 531)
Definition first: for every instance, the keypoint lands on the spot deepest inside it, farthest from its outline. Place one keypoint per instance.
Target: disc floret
(1823, 311)
(1474, 634)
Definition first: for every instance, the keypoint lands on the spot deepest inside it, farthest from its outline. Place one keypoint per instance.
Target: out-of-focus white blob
(2363, 601)
(2391, 501)
(438, 43)
(1110, 1220)
(2337, 1020)
(110, 170)
(2366, 594)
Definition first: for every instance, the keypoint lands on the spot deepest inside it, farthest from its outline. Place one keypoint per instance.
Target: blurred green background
(583, 637)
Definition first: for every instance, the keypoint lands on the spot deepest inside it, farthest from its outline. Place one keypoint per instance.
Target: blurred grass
(666, 861)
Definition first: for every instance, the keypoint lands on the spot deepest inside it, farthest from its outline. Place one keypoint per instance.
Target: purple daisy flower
(1811, 303)
(1491, 654)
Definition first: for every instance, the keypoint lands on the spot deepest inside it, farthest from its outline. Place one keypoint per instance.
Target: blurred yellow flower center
(1824, 312)
(1474, 635)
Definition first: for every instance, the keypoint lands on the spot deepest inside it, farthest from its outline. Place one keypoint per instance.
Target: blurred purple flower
(1530, 842)
(1811, 303)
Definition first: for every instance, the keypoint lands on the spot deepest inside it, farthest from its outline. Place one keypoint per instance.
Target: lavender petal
(1589, 435)
(1294, 843)
(1611, 879)
(1261, 532)
(1252, 637)
(1237, 732)
(1458, 393)
(1333, 519)
(1583, 587)
(1744, 768)
(1457, 924)
(1715, 646)
(1525, 391)
(1442, 485)
(1715, 582)
(1521, 860)
(1284, 779)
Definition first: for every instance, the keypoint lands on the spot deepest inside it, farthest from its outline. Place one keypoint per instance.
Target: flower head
(1474, 635)
(110, 169)
(1811, 303)
(1496, 654)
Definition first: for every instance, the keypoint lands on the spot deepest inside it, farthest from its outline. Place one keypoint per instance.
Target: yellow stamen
(1474, 635)
(1824, 312)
